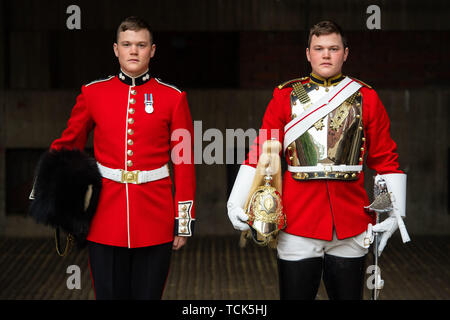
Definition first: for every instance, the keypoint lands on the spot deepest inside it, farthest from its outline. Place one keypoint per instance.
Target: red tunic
(131, 215)
(314, 207)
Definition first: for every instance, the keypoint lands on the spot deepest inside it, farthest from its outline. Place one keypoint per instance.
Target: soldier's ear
(346, 50)
(153, 50)
(116, 50)
(307, 55)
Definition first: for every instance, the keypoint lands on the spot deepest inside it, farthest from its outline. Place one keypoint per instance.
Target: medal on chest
(148, 103)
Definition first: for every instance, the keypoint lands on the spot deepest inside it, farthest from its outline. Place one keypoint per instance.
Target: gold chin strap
(69, 243)
(271, 241)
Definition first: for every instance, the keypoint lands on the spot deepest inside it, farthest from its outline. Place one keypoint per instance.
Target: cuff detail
(184, 223)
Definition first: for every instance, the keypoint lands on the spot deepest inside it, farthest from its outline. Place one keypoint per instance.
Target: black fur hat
(63, 178)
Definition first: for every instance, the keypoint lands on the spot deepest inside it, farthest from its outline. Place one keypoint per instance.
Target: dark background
(228, 56)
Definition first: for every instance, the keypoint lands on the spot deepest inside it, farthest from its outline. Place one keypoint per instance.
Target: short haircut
(133, 23)
(324, 28)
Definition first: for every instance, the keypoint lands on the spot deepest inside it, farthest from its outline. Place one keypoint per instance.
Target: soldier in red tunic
(328, 124)
(138, 221)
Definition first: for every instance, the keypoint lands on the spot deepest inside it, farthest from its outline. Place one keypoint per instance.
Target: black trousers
(343, 278)
(122, 273)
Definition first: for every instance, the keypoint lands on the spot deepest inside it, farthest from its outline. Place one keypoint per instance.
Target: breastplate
(333, 147)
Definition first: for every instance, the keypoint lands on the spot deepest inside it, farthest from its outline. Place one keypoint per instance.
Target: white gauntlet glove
(387, 228)
(238, 197)
(237, 217)
(396, 184)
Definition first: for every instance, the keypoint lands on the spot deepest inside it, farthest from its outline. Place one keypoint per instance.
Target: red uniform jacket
(127, 137)
(314, 207)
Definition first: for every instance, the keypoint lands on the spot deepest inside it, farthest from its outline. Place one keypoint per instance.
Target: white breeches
(294, 248)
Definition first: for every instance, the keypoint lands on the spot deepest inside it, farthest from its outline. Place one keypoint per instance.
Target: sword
(378, 282)
(381, 204)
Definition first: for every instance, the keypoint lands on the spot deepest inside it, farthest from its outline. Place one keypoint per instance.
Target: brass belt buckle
(130, 176)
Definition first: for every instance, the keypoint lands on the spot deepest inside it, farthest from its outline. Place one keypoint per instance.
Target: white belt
(326, 168)
(136, 176)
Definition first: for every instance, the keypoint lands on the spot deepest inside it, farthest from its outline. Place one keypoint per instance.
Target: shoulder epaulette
(283, 85)
(99, 80)
(167, 85)
(361, 82)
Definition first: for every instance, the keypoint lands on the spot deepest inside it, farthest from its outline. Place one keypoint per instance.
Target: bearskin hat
(66, 192)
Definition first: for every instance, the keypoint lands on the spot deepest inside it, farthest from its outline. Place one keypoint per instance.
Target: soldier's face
(326, 54)
(134, 51)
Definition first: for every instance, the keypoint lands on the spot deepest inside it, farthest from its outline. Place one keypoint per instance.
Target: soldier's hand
(387, 228)
(238, 217)
(178, 242)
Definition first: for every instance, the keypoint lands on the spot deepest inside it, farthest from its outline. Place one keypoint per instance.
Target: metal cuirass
(333, 147)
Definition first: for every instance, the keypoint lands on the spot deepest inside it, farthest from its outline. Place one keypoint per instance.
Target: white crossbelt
(328, 168)
(135, 177)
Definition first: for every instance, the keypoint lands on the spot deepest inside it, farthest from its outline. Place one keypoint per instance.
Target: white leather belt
(136, 176)
(325, 168)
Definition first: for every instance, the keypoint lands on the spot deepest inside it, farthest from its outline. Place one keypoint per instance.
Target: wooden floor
(215, 268)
